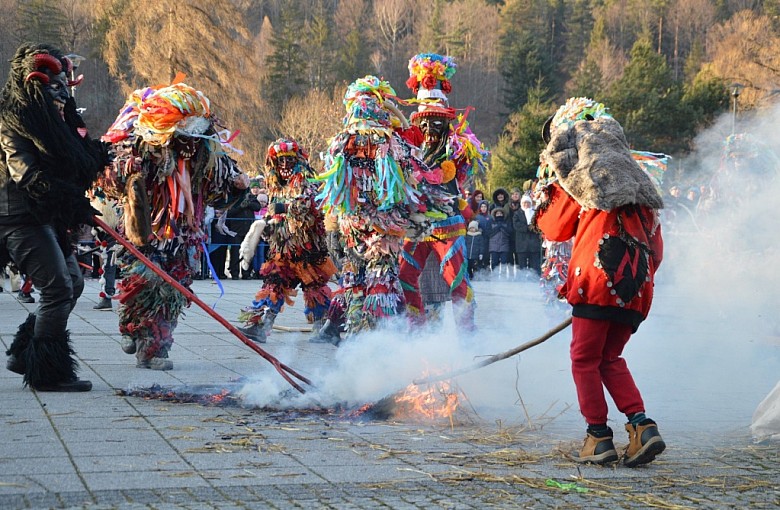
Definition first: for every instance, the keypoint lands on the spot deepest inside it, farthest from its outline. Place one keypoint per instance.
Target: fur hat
(496, 211)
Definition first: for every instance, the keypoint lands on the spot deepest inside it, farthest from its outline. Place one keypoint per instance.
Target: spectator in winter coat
(500, 199)
(485, 221)
(528, 243)
(500, 242)
(475, 248)
(475, 199)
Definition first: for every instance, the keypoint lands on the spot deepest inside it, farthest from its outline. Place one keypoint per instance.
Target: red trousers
(596, 347)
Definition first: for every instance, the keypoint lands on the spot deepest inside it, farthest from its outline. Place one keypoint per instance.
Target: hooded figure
(48, 163)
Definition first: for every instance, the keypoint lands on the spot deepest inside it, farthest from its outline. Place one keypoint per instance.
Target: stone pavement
(110, 449)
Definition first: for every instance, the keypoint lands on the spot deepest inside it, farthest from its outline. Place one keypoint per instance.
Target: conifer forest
(666, 69)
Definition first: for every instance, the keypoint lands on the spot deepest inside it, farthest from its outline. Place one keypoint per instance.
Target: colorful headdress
(429, 79)
(368, 107)
(575, 108)
(285, 147)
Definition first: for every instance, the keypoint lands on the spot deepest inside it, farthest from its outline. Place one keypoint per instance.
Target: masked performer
(602, 198)
(170, 164)
(450, 147)
(298, 253)
(378, 190)
(48, 163)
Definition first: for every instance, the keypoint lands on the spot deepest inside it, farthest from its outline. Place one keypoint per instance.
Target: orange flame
(438, 400)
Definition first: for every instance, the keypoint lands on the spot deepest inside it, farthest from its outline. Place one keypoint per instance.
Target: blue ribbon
(213, 274)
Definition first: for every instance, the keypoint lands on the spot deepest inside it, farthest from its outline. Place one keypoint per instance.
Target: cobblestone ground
(114, 449)
(471, 466)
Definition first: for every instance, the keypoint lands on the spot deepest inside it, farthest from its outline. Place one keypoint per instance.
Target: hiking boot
(71, 386)
(104, 304)
(644, 443)
(255, 333)
(597, 450)
(155, 364)
(25, 297)
(128, 345)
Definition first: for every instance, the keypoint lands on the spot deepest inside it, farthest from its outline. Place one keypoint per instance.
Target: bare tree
(744, 50)
(152, 40)
(312, 119)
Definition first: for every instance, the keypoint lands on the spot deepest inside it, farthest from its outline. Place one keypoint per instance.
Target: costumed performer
(377, 188)
(297, 249)
(602, 198)
(171, 162)
(450, 149)
(48, 163)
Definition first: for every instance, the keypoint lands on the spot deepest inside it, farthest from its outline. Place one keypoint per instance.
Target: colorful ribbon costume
(298, 254)
(452, 151)
(377, 189)
(170, 164)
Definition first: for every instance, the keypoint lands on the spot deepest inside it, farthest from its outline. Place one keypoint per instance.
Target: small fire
(435, 401)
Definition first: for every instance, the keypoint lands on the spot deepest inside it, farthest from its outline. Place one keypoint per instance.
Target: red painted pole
(280, 367)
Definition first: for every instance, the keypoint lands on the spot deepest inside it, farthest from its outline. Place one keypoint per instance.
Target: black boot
(51, 366)
(330, 333)
(15, 352)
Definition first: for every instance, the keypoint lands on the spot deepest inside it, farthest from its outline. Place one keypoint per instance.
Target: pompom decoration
(430, 70)
(448, 171)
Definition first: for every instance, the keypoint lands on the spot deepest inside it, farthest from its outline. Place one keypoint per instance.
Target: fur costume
(297, 253)
(171, 162)
(594, 165)
(48, 162)
(609, 206)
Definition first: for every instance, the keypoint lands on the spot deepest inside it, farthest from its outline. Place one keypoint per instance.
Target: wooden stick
(279, 366)
(498, 357)
(292, 329)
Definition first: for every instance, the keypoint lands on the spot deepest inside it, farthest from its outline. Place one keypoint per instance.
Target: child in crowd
(475, 248)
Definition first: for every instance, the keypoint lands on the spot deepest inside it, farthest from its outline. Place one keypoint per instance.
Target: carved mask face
(58, 90)
(285, 167)
(434, 130)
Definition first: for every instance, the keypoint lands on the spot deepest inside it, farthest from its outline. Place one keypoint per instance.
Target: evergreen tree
(646, 101)
(287, 65)
(527, 48)
(515, 157)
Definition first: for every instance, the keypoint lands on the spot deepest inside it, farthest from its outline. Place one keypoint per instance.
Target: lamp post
(735, 89)
(76, 60)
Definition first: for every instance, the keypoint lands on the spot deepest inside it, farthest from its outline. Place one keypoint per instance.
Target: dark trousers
(35, 251)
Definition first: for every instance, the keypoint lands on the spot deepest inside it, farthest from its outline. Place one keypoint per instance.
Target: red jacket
(614, 257)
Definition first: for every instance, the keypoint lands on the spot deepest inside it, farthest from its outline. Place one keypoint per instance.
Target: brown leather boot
(644, 443)
(597, 450)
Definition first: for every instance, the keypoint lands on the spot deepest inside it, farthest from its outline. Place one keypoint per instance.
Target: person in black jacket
(47, 163)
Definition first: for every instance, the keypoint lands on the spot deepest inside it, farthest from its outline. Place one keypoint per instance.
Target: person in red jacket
(601, 197)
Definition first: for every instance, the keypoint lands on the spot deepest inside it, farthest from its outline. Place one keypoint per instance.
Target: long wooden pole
(280, 367)
(498, 357)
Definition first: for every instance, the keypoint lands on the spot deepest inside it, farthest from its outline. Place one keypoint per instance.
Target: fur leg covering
(50, 361)
(19, 345)
(250, 243)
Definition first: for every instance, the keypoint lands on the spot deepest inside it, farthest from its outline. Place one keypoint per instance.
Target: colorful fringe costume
(170, 164)
(298, 253)
(377, 189)
(456, 154)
